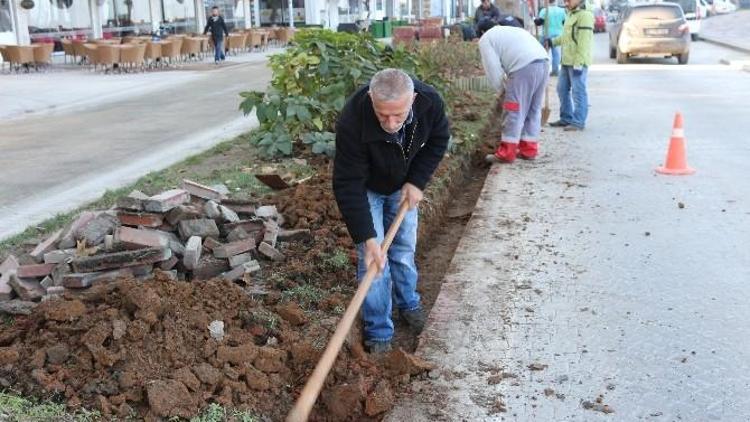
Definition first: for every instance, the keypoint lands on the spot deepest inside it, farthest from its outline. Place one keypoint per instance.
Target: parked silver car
(650, 30)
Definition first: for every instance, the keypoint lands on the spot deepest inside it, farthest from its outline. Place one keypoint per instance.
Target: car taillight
(683, 28)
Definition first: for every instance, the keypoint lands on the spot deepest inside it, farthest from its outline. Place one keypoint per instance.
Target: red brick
(294, 235)
(29, 290)
(58, 257)
(35, 270)
(272, 233)
(84, 280)
(270, 252)
(140, 219)
(250, 226)
(47, 245)
(169, 264)
(133, 202)
(202, 227)
(210, 243)
(201, 191)
(68, 239)
(140, 237)
(234, 248)
(165, 201)
(183, 212)
(209, 267)
(121, 259)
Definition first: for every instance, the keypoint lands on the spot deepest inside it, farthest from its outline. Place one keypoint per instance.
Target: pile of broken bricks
(191, 233)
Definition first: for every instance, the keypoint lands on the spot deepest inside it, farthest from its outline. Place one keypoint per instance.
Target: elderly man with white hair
(390, 138)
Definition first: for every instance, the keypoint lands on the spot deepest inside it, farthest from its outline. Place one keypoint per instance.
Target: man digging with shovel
(515, 52)
(390, 138)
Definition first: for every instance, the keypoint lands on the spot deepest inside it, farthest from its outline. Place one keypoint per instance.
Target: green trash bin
(376, 29)
(387, 29)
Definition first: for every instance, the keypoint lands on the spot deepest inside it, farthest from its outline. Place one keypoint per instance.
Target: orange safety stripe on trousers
(511, 106)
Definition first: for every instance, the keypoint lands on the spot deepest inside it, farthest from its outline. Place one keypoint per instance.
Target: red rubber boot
(506, 152)
(528, 150)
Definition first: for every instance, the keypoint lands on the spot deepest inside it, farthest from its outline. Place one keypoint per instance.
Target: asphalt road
(52, 163)
(584, 279)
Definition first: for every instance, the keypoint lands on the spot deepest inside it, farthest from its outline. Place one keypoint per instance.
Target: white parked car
(724, 6)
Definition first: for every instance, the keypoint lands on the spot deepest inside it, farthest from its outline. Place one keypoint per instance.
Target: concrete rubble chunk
(35, 270)
(270, 252)
(211, 210)
(139, 238)
(201, 191)
(85, 280)
(294, 235)
(47, 282)
(17, 307)
(70, 233)
(59, 256)
(95, 230)
(165, 201)
(239, 259)
(134, 219)
(193, 250)
(234, 248)
(27, 289)
(121, 259)
(55, 291)
(238, 233)
(183, 212)
(45, 246)
(133, 202)
(7, 268)
(58, 273)
(109, 242)
(169, 264)
(240, 271)
(272, 233)
(202, 227)
(267, 212)
(228, 214)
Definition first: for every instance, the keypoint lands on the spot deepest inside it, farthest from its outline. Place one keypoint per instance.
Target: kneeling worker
(515, 52)
(390, 138)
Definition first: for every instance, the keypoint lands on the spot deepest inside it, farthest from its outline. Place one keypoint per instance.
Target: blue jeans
(218, 49)
(555, 60)
(573, 111)
(398, 282)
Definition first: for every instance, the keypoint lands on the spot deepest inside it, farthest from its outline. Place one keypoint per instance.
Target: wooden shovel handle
(301, 410)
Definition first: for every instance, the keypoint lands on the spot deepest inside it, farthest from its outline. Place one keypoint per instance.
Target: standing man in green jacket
(577, 42)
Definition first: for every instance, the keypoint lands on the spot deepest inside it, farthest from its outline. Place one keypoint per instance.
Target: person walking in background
(515, 52)
(218, 30)
(551, 19)
(577, 42)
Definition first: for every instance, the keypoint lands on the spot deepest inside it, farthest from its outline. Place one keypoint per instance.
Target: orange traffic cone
(676, 163)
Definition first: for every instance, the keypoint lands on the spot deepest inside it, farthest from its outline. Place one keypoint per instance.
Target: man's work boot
(415, 319)
(572, 128)
(506, 152)
(378, 347)
(559, 123)
(528, 150)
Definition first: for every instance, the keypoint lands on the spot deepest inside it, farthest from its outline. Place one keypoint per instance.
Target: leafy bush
(310, 84)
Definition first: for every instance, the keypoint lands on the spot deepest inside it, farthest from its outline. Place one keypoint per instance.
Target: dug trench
(142, 349)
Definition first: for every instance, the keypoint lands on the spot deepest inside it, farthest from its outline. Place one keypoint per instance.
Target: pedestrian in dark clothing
(390, 138)
(486, 11)
(218, 29)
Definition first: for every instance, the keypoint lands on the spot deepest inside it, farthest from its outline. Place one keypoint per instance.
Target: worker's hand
(373, 253)
(412, 195)
(548, 43)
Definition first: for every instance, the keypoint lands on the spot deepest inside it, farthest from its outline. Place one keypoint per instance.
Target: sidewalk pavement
(586, 284)
(731, 30)
(115, 129)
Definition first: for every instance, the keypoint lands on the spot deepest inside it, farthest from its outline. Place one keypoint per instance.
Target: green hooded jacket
(577, 39)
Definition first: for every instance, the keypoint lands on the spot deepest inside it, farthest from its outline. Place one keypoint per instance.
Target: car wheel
(694, 37)
(612, 53)
(622, 58)
(683, 58)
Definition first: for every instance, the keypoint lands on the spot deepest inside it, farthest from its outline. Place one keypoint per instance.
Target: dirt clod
(379, 400)
(292, 313)
(169, 398)
(401, 363)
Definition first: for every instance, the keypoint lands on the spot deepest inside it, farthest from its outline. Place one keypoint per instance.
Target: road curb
(725, 44)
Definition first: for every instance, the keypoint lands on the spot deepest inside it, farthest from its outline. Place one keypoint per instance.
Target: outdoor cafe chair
(43, 54)
(19, 56)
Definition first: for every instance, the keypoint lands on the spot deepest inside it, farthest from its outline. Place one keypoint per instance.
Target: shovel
(309, 395)
(546, 110)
